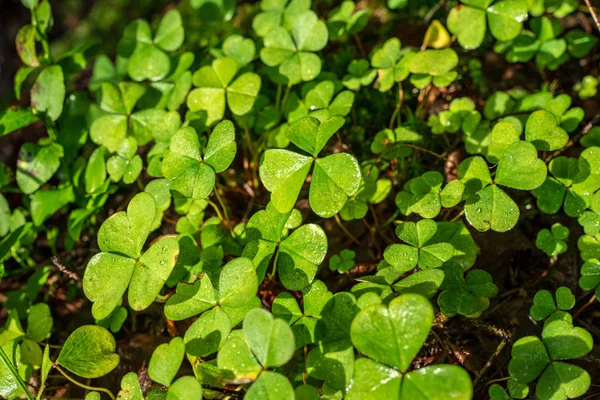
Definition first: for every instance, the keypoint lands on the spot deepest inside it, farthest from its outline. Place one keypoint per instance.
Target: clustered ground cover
(300, 199)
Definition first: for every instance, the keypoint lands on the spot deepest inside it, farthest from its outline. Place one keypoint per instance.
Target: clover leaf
(277, 13)
(125, 164)
(590, 276)
(558, 188)
(193, 173)
(468, 296)
(217, 85)
(221, 307)
(294, 54)
(130, 387)
(342, 262)
(89, 352)
(517, 391)
(306, 323)
(544, 305)
(322, 104)
(343, 21)
(264, 342)
(586, 89)
(242, 50)
(552, 242)
(166, 360)
(359, 74)
(433, 66)
(186, 387)
(37, 164)
(391, 337)
(372, 191)
(543, 131)
(533, 358)
(391, 64)
(119, 120)
(146, 55)
(461, 115)
(430, 244)
(468, 20)
(335, 177)
(487, 206)
(297, 256)
(121, 239)
(48, 92)
(424, 195)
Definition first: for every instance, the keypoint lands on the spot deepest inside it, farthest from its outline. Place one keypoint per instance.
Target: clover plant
(291, 199)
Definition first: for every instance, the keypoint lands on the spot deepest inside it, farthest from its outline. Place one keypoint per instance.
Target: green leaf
(46, 202)
(208, 333)
(311, 135)
(335, 178)
(468, 24)
(271, 339)
(170, 34)
(491, 208)
(300, 255)
(270, 385)
(13, 118)
(543, 131)
(237, 283)
(190, 300)
(565, 341)
(394, 334)
(529, 359)
(39, 322)
(374, 380)
(193, 176)
(237, 359)
(89, 352)
(9, 386)
(543, 305)
(437, 382)
(332, 362)
(130, 388)
(309, 32)
(283, 173)
(48, 92)
(520, 167)
(45, 370)
(506, 18)
(562, 380)
(121, 238)
(25, 43)
(186, 387)
(590, 274)
(433, 62)
(37, 164)
(148, 62)
(166, 360)
(241, 49)
(221, 146)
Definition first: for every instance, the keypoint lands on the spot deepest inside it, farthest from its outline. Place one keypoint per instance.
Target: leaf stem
(398, 105)
(441, 157)
(274, 270)
(593, 12)
(14, 372)
(225, 211)
(285, 96)
(278, 98)
(346, 231)
(92, 388)
(216, 208)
